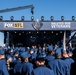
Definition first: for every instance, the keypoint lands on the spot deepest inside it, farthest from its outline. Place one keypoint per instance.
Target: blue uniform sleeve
(5, 71)
(1, 72)
(27, 69)
(52, 73)
(30, 69)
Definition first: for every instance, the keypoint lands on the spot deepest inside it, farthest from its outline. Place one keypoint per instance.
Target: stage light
(44, 32)
(29, 32)
(15, 32)
(42, 18)
(32, 18)
(1, 17)
(73, 18)
(52, 32)
(12, 17)
(52, 18)
(19, 33)
(56, 33)
(7, 32)
(60, 31)
(37, 32)
(62, 18)
(22, 18)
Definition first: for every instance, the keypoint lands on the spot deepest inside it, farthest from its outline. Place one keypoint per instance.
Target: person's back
(42, 70)
(58, 65)
(49, 58)
(26, 68)
(17, 69)
(3, 67)
(1, 72)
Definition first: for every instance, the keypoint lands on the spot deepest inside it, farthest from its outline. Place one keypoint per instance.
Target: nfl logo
(37, 25)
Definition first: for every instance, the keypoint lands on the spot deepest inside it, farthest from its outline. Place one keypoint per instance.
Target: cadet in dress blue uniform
(17, 69)
(58, 65)
(41, 68)
(23, 68)
(3, 67)
(26, 66)
(50, 54)
(32, 56)
(68, 60)
(8, 61)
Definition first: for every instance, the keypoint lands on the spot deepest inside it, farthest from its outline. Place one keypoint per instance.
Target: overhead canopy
(40, 25)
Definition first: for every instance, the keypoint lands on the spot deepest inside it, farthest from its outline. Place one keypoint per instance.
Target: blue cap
(40, 50)
(16, 52)
(32, 49)
(25, 54)
(50, 48)
(42, 55)
(33, 56)
(8, 56)
(58, 51)
(1, 51)
(22, 49)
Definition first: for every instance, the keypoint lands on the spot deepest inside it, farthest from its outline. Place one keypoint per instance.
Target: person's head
(9, 47)
(58, 53)
(31, 51)
(44, 44)
(50, 50)
(8, 58)
(2, 55)
(16, 53)
(44, 48)
(35, 46)
(24, 57)
(70, 53)
(40, 60)
(64, 54)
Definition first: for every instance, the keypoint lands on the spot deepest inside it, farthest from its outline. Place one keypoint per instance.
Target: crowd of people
(37, 60)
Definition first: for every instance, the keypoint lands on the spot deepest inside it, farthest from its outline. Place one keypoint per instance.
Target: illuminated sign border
(46, 25)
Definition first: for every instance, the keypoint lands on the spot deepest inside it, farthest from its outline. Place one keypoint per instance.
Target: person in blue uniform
(17, 69)
(58, 65)
(73, 65)
(32, 56)
(1, 72)
(3, 67)
(50, 54)
(41, 68)
(23, 68)
(27, 67)
(67, 59)
(32, 53)
(8, 61)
